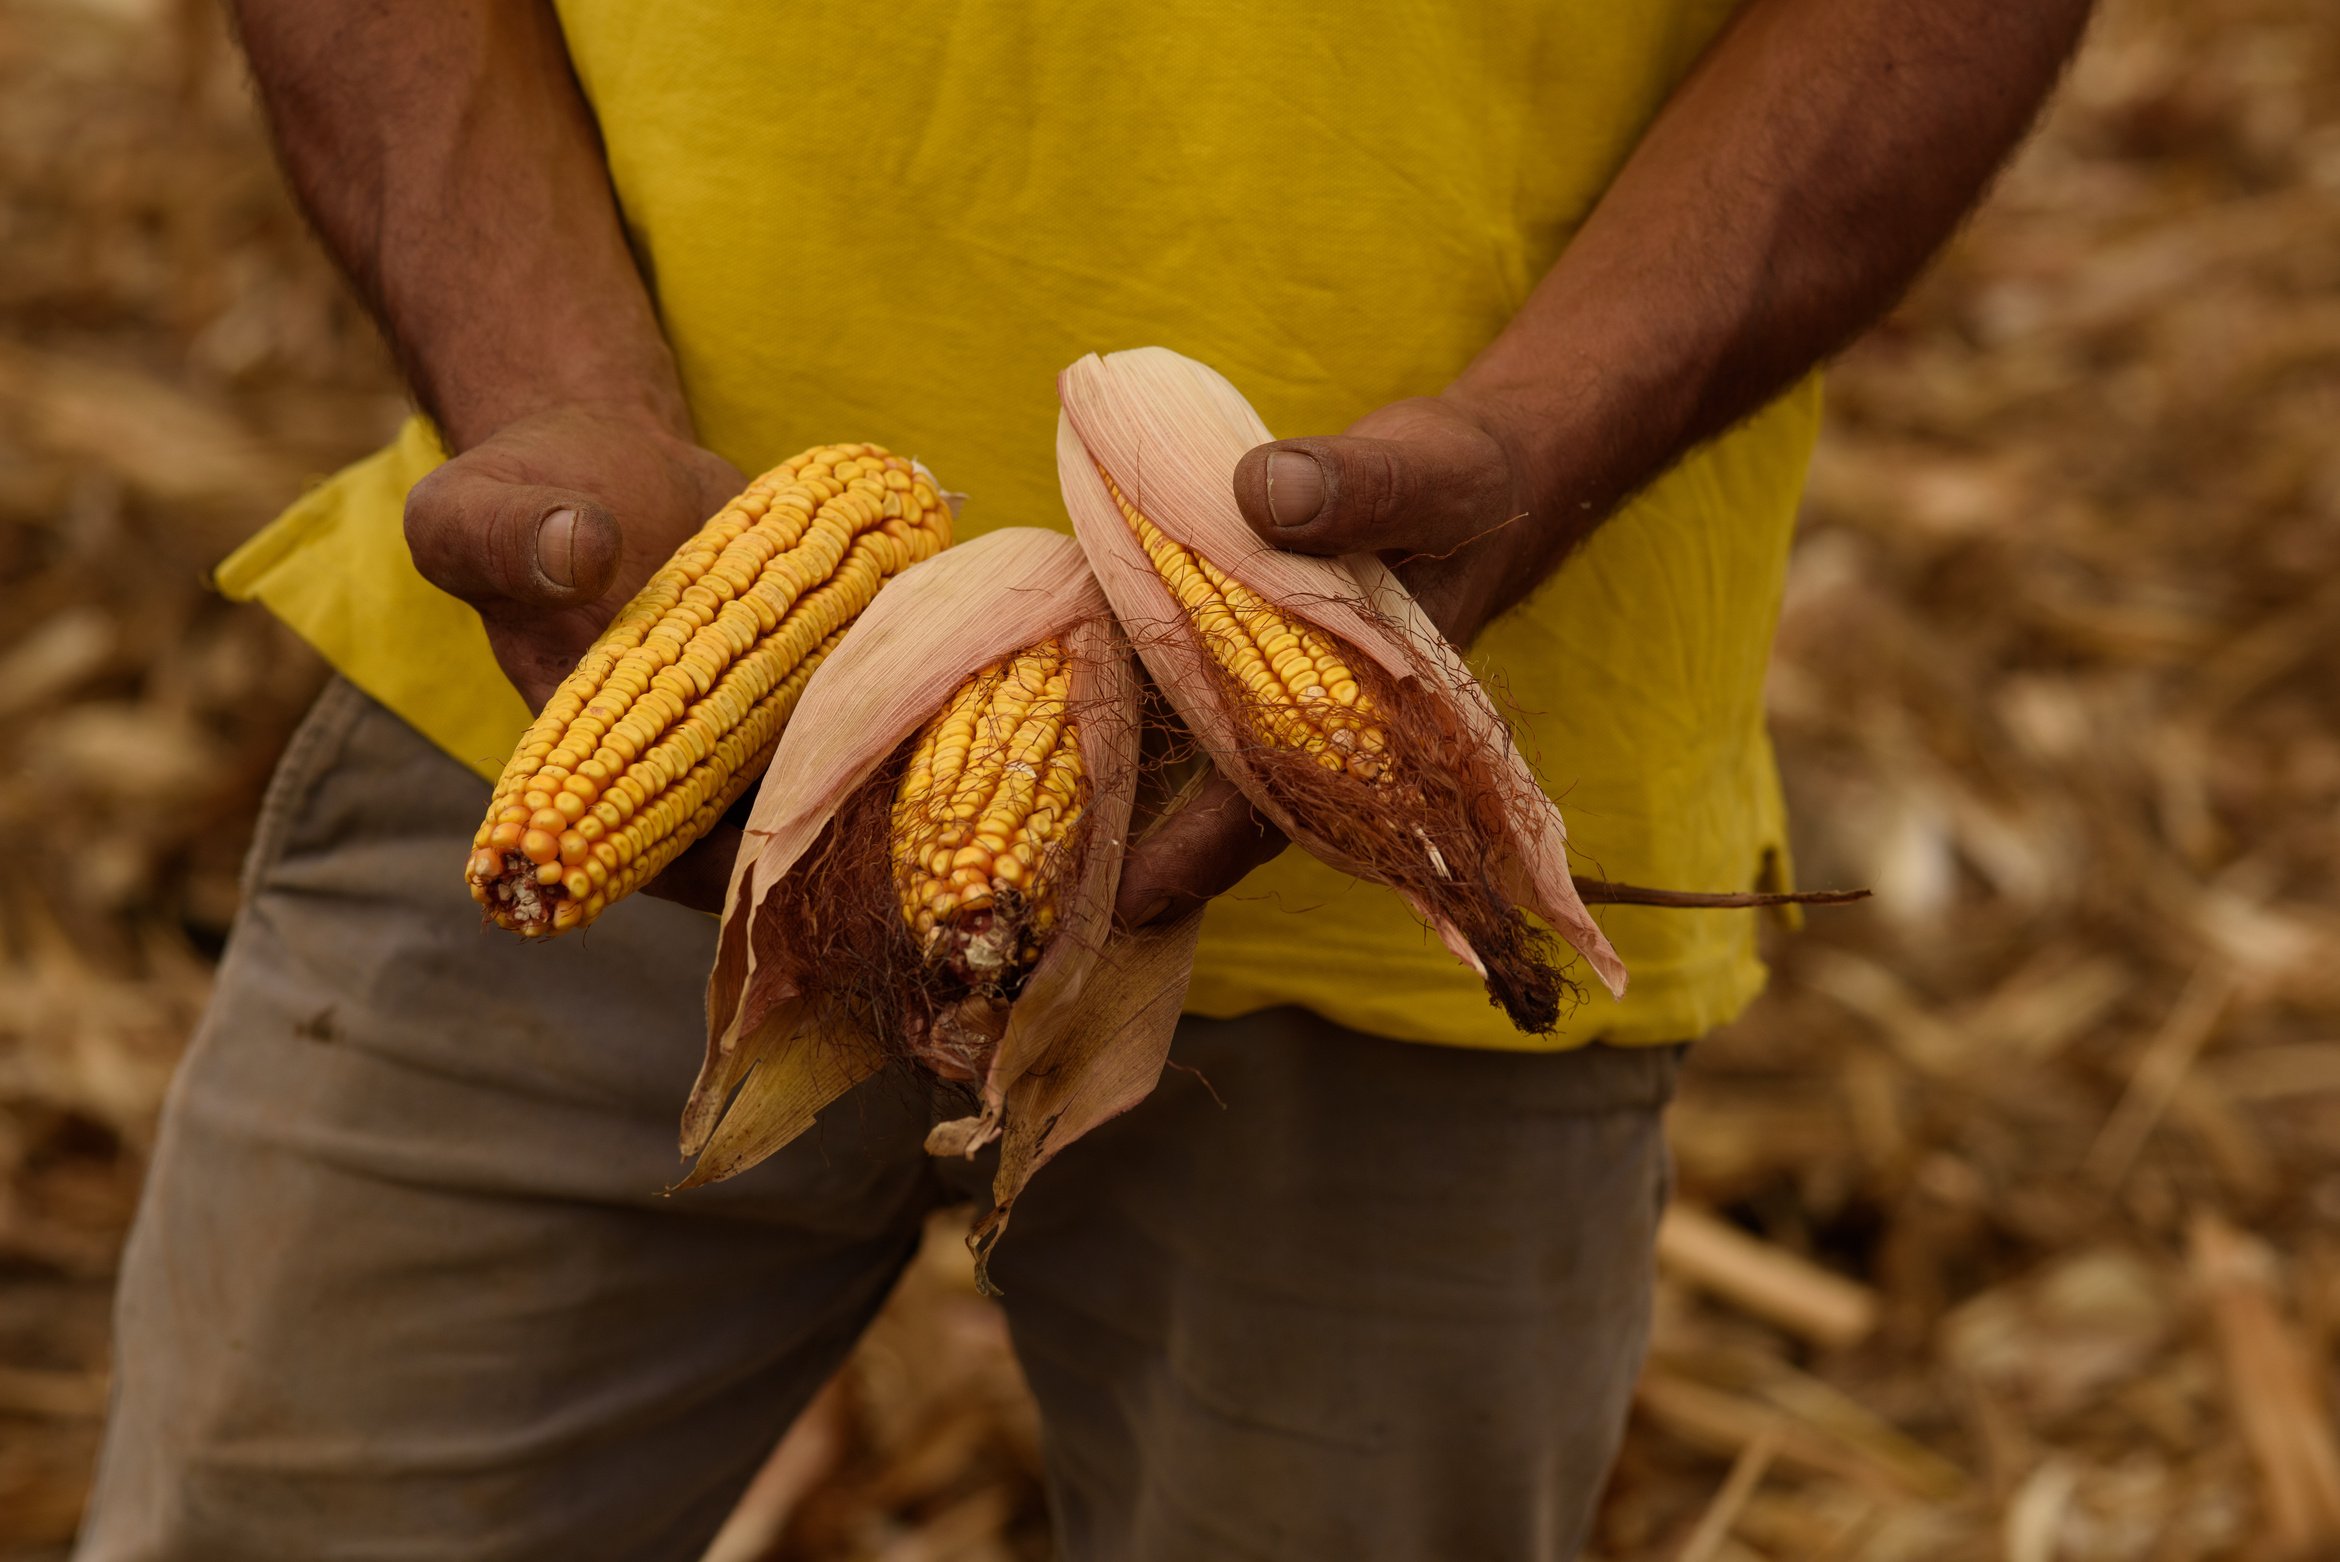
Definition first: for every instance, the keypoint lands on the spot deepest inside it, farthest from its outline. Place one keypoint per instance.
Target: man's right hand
(448, 159)
(552, 522)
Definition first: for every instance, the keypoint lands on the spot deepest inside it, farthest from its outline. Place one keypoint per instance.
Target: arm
(1788, 192)
(447, 160)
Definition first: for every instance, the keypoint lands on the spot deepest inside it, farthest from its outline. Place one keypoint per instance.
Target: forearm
(1789, 191)
(448, 161)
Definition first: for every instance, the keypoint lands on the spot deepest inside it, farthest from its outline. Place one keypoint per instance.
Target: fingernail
(556, 547)
(1151, 912)
(1295, 492)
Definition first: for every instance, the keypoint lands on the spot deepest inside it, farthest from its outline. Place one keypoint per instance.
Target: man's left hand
(1421, 477)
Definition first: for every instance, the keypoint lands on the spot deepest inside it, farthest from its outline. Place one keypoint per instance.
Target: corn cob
(1409, 779)
(983, 817)
(1299, 692)
(672, 713)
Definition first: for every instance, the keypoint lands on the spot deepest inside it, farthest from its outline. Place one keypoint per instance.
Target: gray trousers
(404, 1283)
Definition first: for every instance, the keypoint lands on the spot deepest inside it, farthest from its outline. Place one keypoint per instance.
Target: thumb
(483, 539)
(1429, 491)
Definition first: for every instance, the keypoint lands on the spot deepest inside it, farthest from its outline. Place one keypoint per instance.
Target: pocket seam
(314, 743)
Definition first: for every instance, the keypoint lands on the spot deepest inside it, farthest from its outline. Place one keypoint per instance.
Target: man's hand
(1439, 486)
(1423, 476)
(551, 523)
(548, 526)
(451, 166)
(1789, 190)
(1200, 851)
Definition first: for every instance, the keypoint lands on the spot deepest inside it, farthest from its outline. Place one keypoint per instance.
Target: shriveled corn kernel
(972, 877)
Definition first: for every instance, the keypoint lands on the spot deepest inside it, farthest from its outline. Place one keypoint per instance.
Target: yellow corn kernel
(673, 712)
(1297, 690)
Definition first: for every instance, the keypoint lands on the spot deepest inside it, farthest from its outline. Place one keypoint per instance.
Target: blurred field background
(2008, 1219)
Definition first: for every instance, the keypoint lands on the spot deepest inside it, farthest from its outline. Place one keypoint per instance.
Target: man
(404, 1284)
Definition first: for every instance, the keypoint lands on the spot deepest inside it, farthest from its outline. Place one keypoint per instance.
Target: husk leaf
(1087, 1035)
(1092, 1070)
(768, 1070)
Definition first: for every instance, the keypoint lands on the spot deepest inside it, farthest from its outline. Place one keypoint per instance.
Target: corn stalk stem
(1605, 892)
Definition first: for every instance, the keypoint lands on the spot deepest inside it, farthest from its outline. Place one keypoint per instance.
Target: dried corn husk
(1086, 1036)
(1168, 433)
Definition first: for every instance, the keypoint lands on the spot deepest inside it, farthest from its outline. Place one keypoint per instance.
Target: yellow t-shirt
(898, 224)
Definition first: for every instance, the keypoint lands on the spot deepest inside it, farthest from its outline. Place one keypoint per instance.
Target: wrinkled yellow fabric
(898, 226)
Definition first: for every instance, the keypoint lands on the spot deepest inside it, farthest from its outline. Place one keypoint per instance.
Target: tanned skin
(1784, 197)
(1789, 191)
